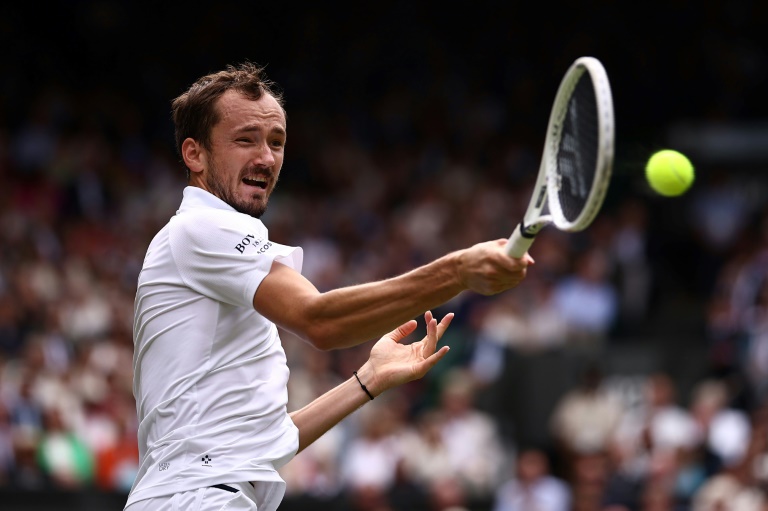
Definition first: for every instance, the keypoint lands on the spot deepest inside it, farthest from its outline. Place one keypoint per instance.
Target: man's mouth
(259, 182)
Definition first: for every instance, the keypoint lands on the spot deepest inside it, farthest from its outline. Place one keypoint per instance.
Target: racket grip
(518, 244)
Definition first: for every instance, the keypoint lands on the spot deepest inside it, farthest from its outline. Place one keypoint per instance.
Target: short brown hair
(194, 112)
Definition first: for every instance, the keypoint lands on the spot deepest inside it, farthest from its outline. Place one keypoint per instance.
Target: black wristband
(363, 386)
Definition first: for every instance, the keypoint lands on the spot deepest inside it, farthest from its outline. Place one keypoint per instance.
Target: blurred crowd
(381, 178)
(78, 208)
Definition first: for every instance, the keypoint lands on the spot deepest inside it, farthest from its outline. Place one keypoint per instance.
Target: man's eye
(243, 140)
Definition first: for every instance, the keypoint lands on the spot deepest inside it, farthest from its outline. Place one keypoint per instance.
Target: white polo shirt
(210, 374)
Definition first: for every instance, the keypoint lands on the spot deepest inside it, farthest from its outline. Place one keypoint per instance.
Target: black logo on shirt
(207, 461)
(250, 240)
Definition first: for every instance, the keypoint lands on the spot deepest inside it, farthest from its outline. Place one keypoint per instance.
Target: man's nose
(264, 156)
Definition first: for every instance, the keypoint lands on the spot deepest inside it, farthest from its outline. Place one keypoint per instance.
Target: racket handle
(518, 244)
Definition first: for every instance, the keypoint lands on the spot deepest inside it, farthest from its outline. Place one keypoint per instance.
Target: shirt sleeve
(225, 255)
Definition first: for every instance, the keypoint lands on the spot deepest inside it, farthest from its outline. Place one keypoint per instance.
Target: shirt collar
(195, 198)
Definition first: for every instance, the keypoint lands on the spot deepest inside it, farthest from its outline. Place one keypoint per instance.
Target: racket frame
(545, 191)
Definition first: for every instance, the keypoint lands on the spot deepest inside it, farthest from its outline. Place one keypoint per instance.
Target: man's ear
(193, 154)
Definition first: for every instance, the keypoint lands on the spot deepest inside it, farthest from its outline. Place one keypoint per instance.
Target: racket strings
(578, 149)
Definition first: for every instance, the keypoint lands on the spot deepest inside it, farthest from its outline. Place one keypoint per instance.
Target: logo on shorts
(164, 466)
(207, 461)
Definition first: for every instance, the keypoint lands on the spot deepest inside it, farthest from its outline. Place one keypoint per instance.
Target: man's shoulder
(201, 220)
(209, 215)
(216, 230)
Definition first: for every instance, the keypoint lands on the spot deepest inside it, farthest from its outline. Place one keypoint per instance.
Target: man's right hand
(487, 269)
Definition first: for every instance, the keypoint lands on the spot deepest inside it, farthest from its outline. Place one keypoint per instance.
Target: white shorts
(212, 498)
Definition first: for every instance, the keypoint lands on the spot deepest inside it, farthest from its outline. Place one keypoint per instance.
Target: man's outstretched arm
(351, 315)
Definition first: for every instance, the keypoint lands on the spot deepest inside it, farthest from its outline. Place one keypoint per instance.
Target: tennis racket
(577, 161)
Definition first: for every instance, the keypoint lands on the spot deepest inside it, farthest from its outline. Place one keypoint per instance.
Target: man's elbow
(322, 338)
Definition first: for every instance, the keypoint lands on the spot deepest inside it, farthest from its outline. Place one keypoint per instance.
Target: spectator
(726, 492)
(533, 487)
(474, 447)
(426, 458)
(24, 409)
(64, 457)
(726, 430)
(6, 445)
(27, 473)
(586, 418)
(587, 300)
(116, 465)
(655, 439)
(634, 269)
(370, 460)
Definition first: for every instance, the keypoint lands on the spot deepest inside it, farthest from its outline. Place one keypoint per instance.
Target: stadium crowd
(395, 178)
(78, 208)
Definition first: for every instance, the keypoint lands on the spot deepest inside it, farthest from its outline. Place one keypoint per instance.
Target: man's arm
(389, 365)
(351, 315)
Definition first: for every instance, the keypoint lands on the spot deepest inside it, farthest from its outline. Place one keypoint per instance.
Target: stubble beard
(218, 188)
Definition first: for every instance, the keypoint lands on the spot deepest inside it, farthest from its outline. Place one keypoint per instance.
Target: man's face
(247, 151)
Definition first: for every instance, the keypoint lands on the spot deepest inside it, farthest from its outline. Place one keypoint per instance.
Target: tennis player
(210, 374)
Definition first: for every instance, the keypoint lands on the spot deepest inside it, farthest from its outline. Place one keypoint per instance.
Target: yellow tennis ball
(669, 172)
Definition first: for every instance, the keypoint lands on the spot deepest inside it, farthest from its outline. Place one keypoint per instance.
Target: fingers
(403, 331)
(444, 324)
(435, 332)
(486, 268)
(523, 262)
(425, 365)
(428, 347)
(526, 258)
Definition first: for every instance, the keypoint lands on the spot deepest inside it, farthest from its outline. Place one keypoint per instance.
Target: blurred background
(628, 371)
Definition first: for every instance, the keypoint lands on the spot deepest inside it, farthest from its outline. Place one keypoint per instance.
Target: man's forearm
(352, 315)
(315, 419)
(389, 364)
(356, 314)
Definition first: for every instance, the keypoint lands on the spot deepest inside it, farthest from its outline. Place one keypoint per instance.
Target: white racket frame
(545, 192)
